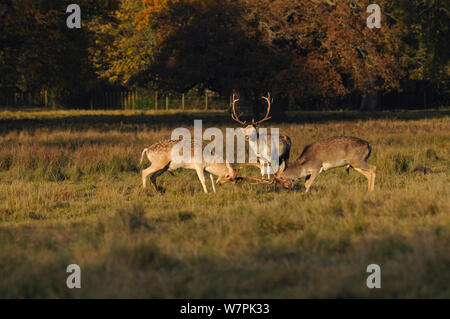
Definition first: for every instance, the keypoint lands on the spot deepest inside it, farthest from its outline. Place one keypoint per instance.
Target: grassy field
(70, 192)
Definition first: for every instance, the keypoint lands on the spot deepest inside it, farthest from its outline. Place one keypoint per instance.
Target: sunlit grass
(72, 195)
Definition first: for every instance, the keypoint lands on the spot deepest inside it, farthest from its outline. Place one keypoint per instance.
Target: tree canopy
(306, 52)
(297, 48)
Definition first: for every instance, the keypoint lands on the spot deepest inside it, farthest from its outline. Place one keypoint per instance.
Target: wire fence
(412, 95)
(126, 99)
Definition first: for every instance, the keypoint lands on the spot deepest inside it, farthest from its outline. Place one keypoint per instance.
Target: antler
(276, 179)
(234, 115)
(258, 180)
(266, 117)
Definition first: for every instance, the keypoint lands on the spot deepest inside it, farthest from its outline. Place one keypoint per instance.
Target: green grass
(70, 192)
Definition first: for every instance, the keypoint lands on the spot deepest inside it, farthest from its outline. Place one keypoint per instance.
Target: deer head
(250, 129)
(231, 175)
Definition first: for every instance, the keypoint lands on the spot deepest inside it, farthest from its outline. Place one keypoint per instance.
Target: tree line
(311, 54)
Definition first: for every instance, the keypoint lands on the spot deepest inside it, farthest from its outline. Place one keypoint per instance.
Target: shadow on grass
(140, 120)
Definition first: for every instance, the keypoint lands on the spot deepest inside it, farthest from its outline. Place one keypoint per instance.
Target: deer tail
(144, 152)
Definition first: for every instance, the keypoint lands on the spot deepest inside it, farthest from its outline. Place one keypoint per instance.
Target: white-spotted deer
(326, 154)
(251, 133)
(161, 155)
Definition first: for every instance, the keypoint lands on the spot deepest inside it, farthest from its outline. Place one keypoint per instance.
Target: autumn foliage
(298, 49)
(311, 53)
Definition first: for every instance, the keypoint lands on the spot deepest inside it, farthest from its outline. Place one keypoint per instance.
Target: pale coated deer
(161, 155)
(251, 133)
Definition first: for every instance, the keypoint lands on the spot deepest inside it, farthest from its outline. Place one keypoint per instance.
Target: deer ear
(281, 169)
(228, 165)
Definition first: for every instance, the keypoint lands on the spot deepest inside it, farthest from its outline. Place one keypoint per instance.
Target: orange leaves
(333, 52)
(304, 47)
(154, 10)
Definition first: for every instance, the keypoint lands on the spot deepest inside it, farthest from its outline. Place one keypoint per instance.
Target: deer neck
(295, 171)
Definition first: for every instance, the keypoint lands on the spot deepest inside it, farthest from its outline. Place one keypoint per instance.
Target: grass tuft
(70, 192)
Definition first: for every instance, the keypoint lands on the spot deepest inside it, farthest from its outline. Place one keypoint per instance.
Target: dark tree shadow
(140, 121)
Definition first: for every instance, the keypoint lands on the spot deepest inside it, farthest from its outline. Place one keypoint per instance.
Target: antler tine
(234, 115)
(258, 180)
(266, 117)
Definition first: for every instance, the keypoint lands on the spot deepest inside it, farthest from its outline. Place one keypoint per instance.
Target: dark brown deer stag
(324, 155)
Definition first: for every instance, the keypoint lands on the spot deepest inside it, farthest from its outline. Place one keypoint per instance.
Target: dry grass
(70, 193)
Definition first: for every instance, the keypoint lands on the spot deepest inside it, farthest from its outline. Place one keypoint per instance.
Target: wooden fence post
(167, 102)
(206, 100)
(131, 99)
(182, 101)
(156, 100)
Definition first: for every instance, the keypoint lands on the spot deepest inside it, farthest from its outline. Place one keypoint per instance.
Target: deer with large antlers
(264, 152)
(161, 156)
(324, 155)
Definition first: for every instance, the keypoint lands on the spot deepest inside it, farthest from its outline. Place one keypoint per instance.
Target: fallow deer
(161, 155)
(251, 133)
(324, 155)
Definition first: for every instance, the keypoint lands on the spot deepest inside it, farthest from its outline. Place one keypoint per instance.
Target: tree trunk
(370, 102)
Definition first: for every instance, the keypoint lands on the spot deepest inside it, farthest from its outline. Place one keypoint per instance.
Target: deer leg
(373, 174)
(262, 168)
(153, 180)
(366, 175)
(347, 168)
(212, 181)
(265, 166)
(311, 179)
(269, 170)
(265, 171)
(148, 171)
(155, 175)
(201, 176)
(155, 170)
(171, 172)
(368, 171)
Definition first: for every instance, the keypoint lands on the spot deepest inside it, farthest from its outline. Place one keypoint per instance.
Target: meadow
(70, 193)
